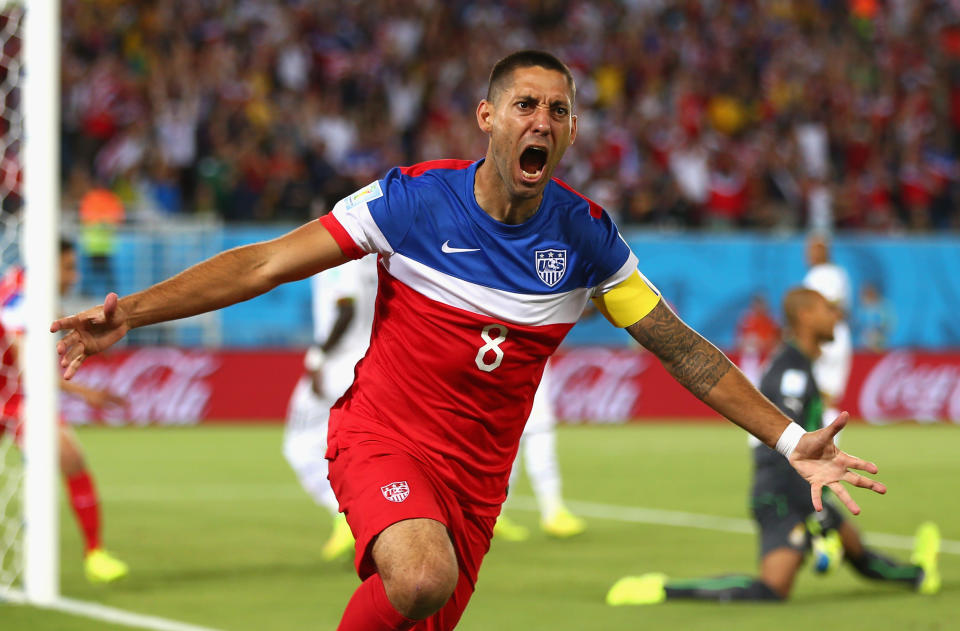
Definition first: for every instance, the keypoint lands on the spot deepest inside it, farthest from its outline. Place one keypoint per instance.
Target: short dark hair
(66, 245)
(504, 68)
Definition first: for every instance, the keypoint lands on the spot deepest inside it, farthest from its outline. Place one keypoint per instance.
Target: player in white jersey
(538, 451)
(832, 368)
(343, 300)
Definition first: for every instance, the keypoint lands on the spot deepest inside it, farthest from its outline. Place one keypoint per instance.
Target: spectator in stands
(101, 211)
(754, 114)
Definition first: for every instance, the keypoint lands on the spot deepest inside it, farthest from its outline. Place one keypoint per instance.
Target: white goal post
(39, 75)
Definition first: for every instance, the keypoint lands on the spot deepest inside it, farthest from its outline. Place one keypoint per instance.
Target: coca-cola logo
(597, 385)
(161, 385)
(899, 388)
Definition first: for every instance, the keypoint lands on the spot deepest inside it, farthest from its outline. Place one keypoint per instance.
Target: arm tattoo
(693, 361)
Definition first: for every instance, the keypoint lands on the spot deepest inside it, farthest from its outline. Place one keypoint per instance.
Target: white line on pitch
(634, 514)
(639, 515)
(107, 614)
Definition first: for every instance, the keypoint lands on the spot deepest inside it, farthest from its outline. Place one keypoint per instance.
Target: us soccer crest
(396, 491)
(551, 265)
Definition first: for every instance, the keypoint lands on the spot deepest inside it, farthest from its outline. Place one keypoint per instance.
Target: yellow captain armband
(629, 301)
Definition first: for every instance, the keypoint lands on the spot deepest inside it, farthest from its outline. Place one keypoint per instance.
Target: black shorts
(783, 524)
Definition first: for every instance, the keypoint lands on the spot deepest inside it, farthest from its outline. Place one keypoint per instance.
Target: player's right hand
(89, 332)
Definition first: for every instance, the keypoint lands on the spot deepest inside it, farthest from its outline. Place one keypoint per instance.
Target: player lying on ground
(99, 565)
(780, 498)
(343, 299)
(484, 268)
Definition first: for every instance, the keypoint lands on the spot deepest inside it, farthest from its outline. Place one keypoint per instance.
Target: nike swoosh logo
(447, 249)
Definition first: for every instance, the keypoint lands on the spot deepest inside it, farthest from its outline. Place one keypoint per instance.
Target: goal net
(11, 135)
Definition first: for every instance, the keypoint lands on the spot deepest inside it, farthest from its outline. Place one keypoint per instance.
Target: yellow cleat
(563, 524)
(341, 540)
(508, 530)
(827, 552)
(647, 589)
(101, 567)
(926, 549)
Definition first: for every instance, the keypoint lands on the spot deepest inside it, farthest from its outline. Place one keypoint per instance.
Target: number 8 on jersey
(492, 344)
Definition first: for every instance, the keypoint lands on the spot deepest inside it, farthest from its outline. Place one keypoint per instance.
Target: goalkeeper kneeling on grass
(782, 507)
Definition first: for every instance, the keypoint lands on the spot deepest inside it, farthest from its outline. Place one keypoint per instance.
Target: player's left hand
(818, 460)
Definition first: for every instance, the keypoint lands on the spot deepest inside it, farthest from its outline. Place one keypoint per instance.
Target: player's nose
(541, 119)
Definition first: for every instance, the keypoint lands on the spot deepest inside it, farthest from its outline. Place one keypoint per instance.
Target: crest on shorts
(551, 265)
(396, 491)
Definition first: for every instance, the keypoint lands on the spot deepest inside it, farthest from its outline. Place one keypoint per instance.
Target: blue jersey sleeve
(610, 259)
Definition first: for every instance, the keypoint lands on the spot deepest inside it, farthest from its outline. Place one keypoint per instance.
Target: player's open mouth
(532, 161)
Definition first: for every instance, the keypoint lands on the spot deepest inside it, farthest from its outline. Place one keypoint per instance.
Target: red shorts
(378, 484)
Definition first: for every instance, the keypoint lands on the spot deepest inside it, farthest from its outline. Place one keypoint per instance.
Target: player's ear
(484, 114)
(573, 128)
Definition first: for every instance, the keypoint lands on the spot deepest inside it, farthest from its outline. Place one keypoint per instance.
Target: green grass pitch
(218, 533)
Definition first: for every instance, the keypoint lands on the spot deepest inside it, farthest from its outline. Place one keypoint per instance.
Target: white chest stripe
(525, 309)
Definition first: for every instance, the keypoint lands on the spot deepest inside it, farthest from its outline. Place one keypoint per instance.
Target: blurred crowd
(717, 114)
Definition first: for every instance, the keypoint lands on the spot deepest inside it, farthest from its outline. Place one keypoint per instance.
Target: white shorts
(832, 368)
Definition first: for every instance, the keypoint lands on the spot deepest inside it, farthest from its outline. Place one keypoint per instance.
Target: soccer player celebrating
(99, 565)
(780, 497)
(484, 267)
(343, 299)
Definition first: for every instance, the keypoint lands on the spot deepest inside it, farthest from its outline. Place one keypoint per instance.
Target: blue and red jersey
(468, 311)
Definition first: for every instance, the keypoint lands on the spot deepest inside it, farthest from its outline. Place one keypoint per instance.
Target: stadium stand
(769, 115)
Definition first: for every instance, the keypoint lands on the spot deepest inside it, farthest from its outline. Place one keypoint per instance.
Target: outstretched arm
(706, 372)
(225, 279)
